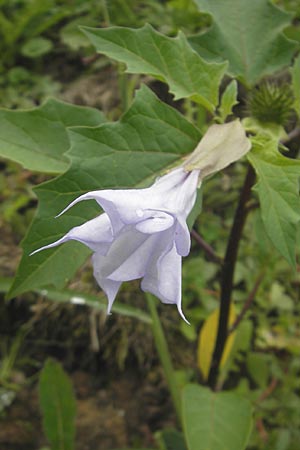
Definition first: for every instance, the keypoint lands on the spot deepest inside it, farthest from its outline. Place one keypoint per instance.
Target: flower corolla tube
(141, 234)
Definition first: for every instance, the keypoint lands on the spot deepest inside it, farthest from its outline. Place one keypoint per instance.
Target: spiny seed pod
(271, 103)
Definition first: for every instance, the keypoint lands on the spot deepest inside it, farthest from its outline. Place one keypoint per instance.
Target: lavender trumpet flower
(143, 232)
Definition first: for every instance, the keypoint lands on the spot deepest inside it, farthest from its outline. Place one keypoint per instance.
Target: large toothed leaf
(37, 139)
(215, 420)
(171, 60)
(248, 34)
(148, 138)
(278, 191)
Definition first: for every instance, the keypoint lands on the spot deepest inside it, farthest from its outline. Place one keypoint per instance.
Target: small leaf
(36, 47)
(215, 420)
(247, 34)
(220, 146)
(170, 439)
(258, 366)
(38, 139)
(278, 192)
(207, 340)
(171, 60)
(228, 100)
(72, 36)
(58, 406)
(295, 72)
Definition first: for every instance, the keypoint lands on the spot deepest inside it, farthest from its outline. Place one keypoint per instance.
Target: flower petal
(177, 198)
(108, 207)
(171, 179)
(95, 233)
(110, 287)
(163, 279)
(158, 221)
(182, 237)
(185, 197)
(146, 254)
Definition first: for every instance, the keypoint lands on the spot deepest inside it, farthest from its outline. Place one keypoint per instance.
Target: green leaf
(58, 406)
(171, 60)
(228, 100)
(38, 138)
(278, 192)
(258, 366)
(36, 47)
(248, 35)
(72, 36)
(149, 137)
(295, 72)
(170, 439)
(215, 420)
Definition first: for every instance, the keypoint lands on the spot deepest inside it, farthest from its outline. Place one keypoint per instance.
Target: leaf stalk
(164, 355)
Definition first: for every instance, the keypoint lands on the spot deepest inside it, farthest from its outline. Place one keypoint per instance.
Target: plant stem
(123, 87)
(206, 247)
(164, 354)
(105, 13)
(247, 303)
(228, 273)
(294, 134)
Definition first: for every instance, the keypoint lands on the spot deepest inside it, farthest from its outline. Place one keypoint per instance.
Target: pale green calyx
(220, 146)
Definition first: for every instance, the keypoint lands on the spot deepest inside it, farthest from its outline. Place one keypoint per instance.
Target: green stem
(122, 76)
(228, 273)
(164, 354)
(123, 87)
(189, 109)
(127, 12)
(105, 12)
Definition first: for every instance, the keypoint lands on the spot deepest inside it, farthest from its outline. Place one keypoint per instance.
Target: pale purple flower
(142, 234)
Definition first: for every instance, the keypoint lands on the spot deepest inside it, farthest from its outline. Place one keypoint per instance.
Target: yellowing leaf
(207, 339)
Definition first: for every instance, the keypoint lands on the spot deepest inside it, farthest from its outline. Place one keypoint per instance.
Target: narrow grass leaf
(58, 406)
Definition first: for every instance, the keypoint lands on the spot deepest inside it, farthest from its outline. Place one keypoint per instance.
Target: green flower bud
(271, 103)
